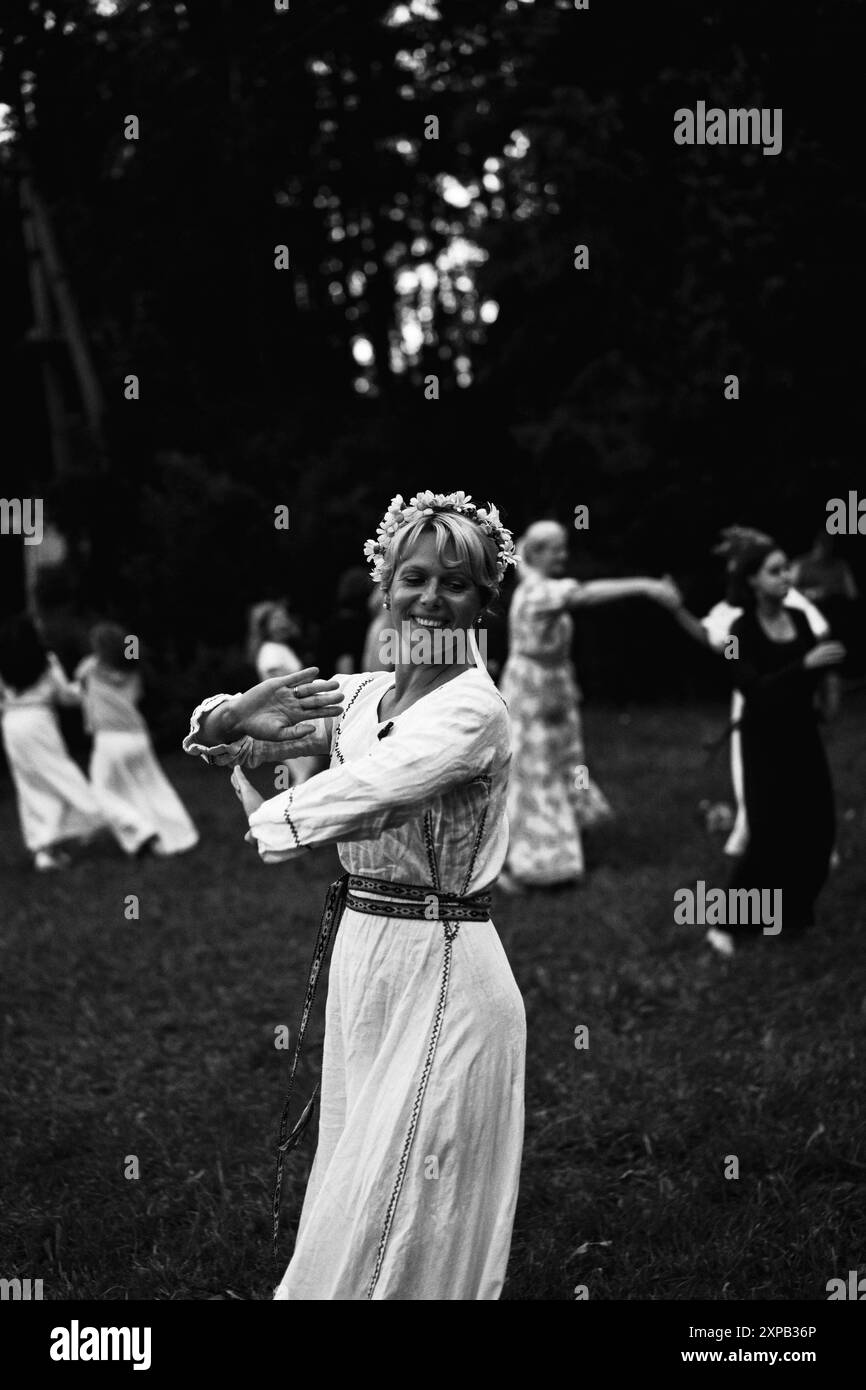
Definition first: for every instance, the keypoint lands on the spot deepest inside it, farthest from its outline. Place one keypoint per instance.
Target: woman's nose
(430, 592)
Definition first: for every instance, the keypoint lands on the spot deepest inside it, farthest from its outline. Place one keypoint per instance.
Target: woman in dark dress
(784, 674)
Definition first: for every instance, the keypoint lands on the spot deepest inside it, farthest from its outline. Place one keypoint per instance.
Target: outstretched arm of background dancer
(694, 627)
(597, 591)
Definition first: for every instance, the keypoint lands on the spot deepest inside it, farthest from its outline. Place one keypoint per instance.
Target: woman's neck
(769, 609)
(413, 681)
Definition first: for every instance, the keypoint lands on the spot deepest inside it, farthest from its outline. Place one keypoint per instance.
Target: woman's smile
(448, 597)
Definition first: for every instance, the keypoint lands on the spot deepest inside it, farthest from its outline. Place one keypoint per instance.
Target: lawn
(154, 1038)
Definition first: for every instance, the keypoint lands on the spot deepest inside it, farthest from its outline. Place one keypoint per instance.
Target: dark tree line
(306, 387)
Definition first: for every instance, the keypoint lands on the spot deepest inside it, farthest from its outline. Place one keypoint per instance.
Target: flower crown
(427, 504)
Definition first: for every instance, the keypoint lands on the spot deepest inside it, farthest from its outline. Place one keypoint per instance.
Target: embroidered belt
(415, 903)
(410, 901)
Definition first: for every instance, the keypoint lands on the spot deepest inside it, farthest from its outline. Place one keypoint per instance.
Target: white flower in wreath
(422, 500)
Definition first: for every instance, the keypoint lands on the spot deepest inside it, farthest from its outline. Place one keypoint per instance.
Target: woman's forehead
(424, 552)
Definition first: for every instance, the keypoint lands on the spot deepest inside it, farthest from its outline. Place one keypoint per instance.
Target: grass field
(155, 1038)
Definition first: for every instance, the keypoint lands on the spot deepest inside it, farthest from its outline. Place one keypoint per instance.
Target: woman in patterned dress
(551, 797)
(414, 1185)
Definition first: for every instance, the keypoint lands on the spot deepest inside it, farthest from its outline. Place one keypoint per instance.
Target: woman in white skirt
(137, 799)
(55, 801)
(414, 1184)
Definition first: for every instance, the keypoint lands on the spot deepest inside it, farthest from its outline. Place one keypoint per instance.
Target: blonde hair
(470, 547)
(539, 534)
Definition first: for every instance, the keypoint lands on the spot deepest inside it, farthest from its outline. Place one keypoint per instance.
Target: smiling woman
(414, 1184)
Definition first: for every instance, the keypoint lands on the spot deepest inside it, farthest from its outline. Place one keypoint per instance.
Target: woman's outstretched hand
(271, 710)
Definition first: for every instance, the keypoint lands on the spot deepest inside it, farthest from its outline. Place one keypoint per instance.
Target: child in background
(55, 801)
(137, 799)
(272, 628)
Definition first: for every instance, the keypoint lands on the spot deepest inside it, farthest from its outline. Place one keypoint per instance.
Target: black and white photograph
(432, 670)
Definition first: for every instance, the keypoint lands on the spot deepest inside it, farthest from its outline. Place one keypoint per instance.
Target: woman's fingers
(296, 678)
(323, 700)
(305, 682)
(249, 797)
(319, 696)
(298, 731)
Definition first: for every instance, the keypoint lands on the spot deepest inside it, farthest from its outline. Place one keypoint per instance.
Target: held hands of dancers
(665, 592)
(275, 710)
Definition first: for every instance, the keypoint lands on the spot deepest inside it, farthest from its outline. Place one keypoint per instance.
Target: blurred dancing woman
(139, 802)
(55, 800)
(272, 628)
(425, 1032)
(717, 627)
(782, 671)
(548, 804)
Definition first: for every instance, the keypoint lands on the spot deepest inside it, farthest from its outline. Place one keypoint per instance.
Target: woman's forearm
(221, 724)
(692, 625)
(607, 590)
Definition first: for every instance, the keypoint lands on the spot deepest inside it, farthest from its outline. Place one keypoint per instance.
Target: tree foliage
(452, 256)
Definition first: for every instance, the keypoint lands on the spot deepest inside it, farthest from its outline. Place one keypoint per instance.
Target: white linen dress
(133, 792)
(423, 805)
(55, 800)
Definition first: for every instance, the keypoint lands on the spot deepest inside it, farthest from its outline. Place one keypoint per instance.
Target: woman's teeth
(429, 622)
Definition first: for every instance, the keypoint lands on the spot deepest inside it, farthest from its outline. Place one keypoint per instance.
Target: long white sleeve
(814, 617)
(430, 749)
